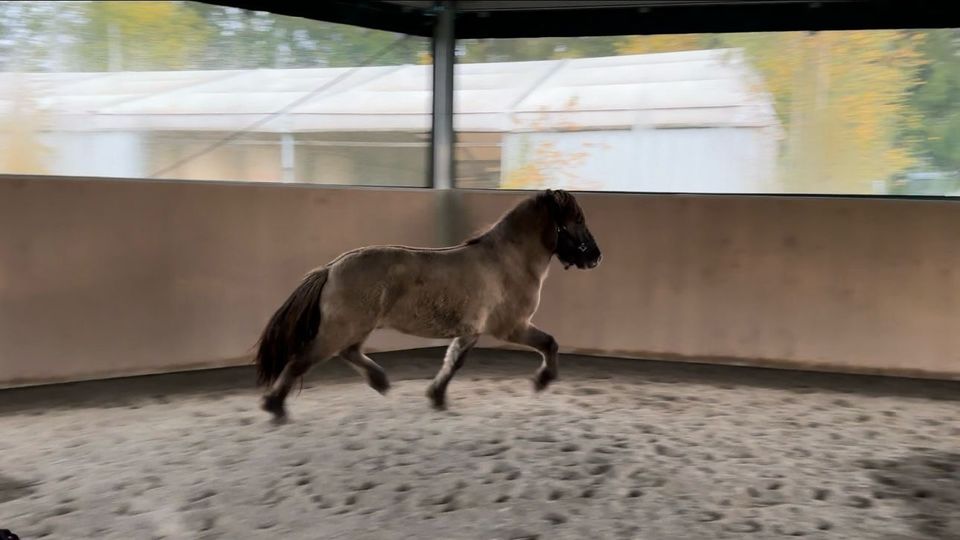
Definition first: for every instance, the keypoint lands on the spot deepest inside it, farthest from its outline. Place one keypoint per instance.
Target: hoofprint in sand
(615, 449)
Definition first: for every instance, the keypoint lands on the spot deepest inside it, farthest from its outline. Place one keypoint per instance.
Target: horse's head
(574, 244)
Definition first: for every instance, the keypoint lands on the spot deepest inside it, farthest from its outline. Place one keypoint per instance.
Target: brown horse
(489, 285)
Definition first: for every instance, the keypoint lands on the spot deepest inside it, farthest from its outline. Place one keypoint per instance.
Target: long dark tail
(291, 329)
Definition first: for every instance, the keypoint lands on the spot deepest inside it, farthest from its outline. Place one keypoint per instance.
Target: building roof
(707, 88)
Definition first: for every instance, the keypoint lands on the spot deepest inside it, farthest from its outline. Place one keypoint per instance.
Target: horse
(487, 285)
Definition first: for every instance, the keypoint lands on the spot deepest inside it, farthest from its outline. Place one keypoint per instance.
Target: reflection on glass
(852, 112)
(196, 91)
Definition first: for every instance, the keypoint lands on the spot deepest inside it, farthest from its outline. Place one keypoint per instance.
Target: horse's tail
(291, 329)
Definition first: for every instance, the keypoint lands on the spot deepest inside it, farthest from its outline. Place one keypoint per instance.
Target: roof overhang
(556, 18)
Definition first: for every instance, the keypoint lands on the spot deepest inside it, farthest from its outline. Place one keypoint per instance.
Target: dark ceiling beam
(367, 13)
(557, 18)
(708, 17)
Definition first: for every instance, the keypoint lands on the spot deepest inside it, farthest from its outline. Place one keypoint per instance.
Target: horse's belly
(430, 331)
(436, 318)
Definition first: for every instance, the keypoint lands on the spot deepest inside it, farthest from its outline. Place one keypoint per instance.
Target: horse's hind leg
(452, 361)
(273, 401)
(531, 336)
(375, 376)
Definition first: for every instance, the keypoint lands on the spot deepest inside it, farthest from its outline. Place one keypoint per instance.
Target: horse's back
(437, 293)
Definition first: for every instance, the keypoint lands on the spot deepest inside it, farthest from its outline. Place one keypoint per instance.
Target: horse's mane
(560, 204)
(526, 206)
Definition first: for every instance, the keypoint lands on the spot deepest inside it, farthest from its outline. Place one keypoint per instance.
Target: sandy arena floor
(615, 449)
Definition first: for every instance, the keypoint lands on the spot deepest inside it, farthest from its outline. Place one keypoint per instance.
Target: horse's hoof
(542, 380)
(437, 400)
(274, 406)
(380, 383)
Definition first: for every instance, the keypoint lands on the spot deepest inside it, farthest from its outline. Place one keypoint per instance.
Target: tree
(151, 35)
(526, 49)
(843, 98)
(35, 35)
(544, 166)
(665, 43)
(936, 134)
(247, 40)
(21, 150)
(138, 36)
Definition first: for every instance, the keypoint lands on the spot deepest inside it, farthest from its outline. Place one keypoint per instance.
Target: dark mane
(519, 211)
(563, 206)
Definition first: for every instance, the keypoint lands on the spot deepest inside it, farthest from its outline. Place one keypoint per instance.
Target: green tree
(523, 49)
(170, 35)
(247, 40)
(936, 134)
(844, 100)
(843, 97)
(34, 36)
(138, 36)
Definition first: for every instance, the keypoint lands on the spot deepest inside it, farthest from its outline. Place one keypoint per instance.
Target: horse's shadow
(13, 488)
(926, 487)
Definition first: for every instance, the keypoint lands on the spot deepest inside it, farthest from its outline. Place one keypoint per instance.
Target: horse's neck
(540, 266)
(530, 257)
(520, 232)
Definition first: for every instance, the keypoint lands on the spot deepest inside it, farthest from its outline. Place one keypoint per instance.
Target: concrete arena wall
(117, 277)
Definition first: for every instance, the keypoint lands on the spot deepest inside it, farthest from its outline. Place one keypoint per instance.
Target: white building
(684, 121)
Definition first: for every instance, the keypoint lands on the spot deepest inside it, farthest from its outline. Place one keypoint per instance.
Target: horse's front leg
(452, 361)
(531, 336)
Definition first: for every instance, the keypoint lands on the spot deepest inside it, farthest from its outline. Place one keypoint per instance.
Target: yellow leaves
(660, 43)
(528, 175)
(176, 32)
(141, 13)
(842, 96)
(424, 58)
(548, 167)
(21, 150)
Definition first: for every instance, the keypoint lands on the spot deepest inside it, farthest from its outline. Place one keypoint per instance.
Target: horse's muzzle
(584, 265)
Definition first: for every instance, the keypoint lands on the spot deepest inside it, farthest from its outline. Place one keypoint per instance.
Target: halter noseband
(582, 247)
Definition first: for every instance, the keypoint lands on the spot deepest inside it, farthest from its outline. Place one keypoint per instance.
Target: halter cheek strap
(581, 247)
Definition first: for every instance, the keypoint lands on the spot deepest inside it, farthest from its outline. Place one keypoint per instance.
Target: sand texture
(617, 449)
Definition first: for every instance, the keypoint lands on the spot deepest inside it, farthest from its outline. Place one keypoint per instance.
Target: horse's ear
(560, 198)
(554, 201)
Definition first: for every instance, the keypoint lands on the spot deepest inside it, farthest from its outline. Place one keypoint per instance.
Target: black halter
(562, 231)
